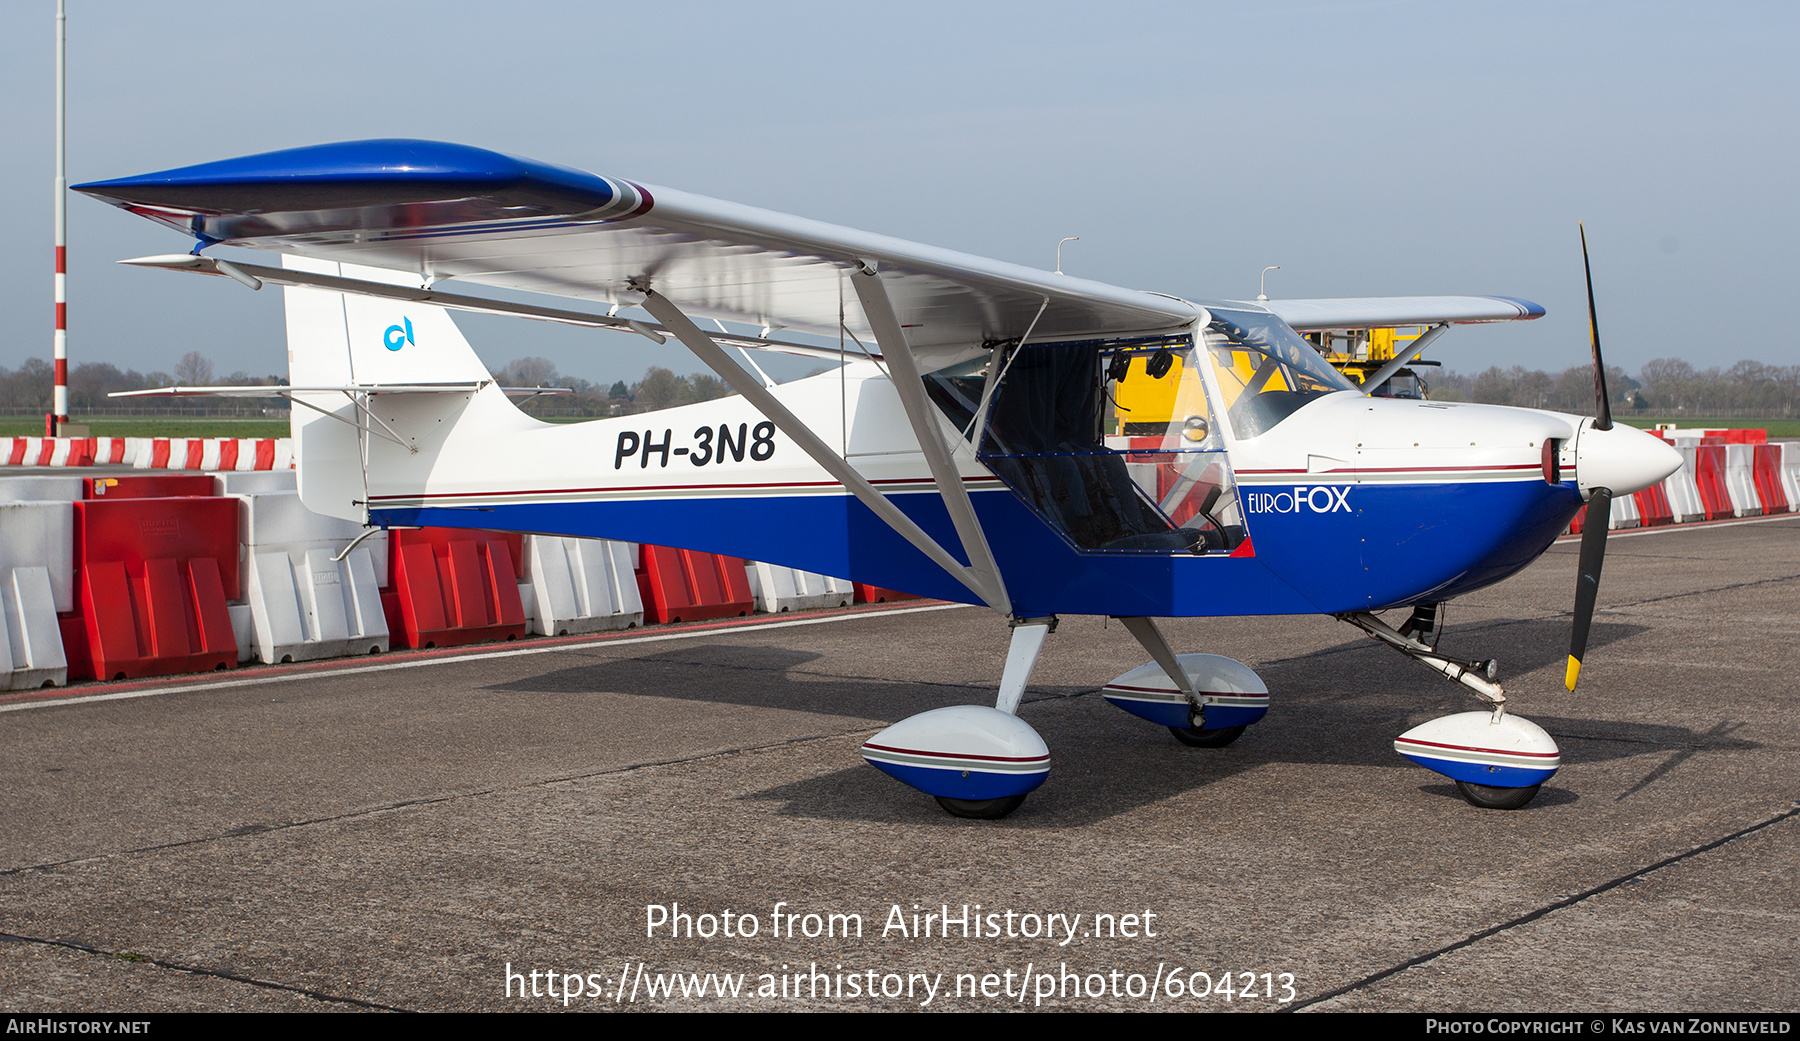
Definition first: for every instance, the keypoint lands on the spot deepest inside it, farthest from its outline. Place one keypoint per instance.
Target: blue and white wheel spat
(1231, 693)
(967, 752)
(1476, 748)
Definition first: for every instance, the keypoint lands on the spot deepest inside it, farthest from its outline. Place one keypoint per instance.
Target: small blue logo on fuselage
(398, 336)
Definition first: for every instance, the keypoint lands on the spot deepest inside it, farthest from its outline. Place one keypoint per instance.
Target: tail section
(344, 340)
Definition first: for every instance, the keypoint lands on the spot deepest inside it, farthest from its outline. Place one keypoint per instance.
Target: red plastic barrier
(1576, 522)
(265, 453)
(451, 586)
(46, 449)
(680, 585)
(149, 486)
(1766, 464)
(1746, 437)
(1653, 506)
(159, 453)
(868, 594)
(17, 455)
(1709, 474)
(152, 578)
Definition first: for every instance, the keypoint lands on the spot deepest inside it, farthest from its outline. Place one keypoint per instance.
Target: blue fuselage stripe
(1370, 546)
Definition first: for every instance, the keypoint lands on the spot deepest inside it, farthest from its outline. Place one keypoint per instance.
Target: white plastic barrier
(41, 534)
(1740, 480)
(304, 604)
(58, 488)
(780, 589)
(1624, 513)
(579, 585)
(249, 482)
(37, 541)
(1790, 473)
(32, 653)
(1683, 491)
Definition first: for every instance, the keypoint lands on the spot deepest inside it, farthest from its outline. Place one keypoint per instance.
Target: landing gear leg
(1027, 640)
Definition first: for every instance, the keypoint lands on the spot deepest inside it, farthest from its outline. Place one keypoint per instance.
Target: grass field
(153, 426)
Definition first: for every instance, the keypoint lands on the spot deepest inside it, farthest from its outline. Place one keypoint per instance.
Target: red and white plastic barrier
(1724, 474)
(212, 453)
(152, 453)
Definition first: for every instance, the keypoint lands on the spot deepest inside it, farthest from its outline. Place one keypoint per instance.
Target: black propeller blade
(1602, 403)
(1599, 507)
(1587, 581)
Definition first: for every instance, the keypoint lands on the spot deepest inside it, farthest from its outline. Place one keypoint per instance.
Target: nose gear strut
(1478, 676)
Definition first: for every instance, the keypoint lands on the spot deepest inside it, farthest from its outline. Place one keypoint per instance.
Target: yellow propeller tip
(1574, 671)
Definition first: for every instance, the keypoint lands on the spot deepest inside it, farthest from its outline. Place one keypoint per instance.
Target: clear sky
(1370, 148)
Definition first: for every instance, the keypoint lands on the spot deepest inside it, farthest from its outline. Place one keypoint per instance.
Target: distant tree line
(1664, 387)
(27, 389)
(660, 388)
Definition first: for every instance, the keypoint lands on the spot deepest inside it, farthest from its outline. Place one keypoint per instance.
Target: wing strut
(991, 592)
(910, 385)
(1398, 362)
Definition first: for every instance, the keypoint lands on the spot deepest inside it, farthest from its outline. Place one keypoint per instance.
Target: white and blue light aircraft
(967, 447)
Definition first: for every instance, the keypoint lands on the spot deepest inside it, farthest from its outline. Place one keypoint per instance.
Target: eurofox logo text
(1319, 499)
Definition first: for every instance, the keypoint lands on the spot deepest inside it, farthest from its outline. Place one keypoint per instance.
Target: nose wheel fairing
(1483, 748)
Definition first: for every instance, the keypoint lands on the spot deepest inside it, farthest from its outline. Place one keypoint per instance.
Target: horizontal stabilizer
(281, 391)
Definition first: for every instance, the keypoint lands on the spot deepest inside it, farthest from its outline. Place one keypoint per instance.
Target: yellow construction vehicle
(1358, 353)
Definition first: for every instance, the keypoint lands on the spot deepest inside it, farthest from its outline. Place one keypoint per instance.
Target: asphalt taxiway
(427, 831)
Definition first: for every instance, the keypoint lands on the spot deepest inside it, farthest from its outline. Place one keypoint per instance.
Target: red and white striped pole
(59, 407)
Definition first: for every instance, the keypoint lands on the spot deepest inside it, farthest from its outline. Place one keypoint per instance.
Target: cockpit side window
(1052, 433)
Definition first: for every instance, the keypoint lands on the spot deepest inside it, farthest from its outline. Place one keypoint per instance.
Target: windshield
(1265, 371)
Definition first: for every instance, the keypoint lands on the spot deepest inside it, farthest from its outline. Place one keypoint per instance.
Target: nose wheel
(1489, 797)
(980, 809)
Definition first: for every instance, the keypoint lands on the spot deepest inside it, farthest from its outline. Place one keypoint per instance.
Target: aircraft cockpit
(1114, 443)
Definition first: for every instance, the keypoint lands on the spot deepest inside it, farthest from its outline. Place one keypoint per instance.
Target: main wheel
(981, 809)
(1490, 798)
(1198, 738)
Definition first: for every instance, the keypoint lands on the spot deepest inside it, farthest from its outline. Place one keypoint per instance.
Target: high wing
(452, 211)
(1386, 312)
(416, 210)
